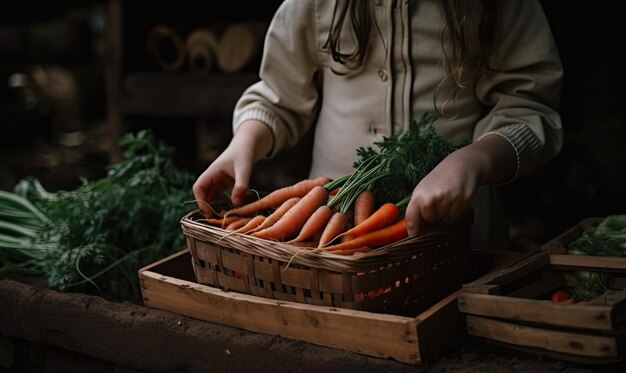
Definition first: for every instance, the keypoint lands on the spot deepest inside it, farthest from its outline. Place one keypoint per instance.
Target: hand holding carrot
(449, 188)
(233, 167)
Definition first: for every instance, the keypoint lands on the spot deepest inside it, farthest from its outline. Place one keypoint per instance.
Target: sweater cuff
(264, 116)
(524, 142)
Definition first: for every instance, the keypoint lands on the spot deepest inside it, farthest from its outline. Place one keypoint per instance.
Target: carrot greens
(395, 166)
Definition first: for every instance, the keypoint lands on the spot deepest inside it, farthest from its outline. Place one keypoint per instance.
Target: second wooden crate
(512, 307)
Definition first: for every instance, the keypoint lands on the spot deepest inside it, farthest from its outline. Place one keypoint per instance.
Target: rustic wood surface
(138, 337)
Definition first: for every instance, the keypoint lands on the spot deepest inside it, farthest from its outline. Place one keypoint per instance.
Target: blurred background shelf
(183, 95)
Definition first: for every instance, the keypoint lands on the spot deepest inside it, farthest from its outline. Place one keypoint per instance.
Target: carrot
(277, 197)
(315, 223)
(277, 214)
(237, 224)
(335, 226)
(294, 219)
(380, 237)
(221, 222)
(251, 224)
(364, 206)
(382, 217)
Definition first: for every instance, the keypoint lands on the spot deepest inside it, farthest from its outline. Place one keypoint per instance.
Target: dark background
(60, 135)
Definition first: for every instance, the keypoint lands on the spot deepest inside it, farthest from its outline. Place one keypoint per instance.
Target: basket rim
(379, 257)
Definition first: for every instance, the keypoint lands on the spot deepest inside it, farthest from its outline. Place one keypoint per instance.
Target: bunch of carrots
(303, 214)
(355, 213)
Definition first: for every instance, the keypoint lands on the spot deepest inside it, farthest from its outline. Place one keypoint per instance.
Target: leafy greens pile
(97, 236)
(606, 239)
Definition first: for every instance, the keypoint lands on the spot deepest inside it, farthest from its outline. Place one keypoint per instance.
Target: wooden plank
(491, 282)
(589, 262)
(538, 311)
(551, 340)
(438, 326)
(376, 335)
(368, 333)
(616, 300)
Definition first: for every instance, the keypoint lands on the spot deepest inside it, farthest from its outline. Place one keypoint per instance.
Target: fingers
(242, 184)
(423, 211)
(207, 187)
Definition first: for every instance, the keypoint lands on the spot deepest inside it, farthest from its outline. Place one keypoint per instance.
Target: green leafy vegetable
(395, 167)
(606, 239)
(97, 236)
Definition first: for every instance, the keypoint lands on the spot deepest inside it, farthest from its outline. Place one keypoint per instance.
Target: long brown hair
(466, 40)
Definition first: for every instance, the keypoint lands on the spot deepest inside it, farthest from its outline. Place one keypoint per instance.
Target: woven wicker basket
(404, 278)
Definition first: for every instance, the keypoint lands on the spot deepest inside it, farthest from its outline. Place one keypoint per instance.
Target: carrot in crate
(277, 214)
(380, 237)
(386, 214)
(335, 226)
(364, 206)
(237, 224)
(294, 219)
(251, 224)
(314, 224)
(277, 197)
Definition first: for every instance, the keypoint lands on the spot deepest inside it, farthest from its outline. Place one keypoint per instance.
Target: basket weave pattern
(405, 277)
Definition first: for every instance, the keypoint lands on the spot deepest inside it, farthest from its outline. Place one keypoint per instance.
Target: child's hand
(449, 188)
(446, 191)
(233, 167)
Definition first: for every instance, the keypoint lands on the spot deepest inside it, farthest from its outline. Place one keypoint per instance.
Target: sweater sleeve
(286, 97)
(522, 87)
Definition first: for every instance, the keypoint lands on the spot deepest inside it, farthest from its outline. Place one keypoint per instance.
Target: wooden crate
(169, 284)
(512, 307)
(558, 249)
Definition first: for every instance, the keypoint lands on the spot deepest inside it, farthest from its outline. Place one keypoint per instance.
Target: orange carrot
(277, 214)
(364, 206)
(380, 237)
(335, 226)
(315, 223)
(237, 224)
(251, 224)
(384, 216)
(293, 220)
(221, 222)
(277, 197)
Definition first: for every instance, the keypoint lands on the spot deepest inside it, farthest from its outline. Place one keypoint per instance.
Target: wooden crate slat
(491, 282)
(551, 340)
(538, 311)
(589, 262)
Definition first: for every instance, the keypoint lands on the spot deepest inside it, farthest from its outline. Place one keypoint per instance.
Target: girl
(359, 70)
